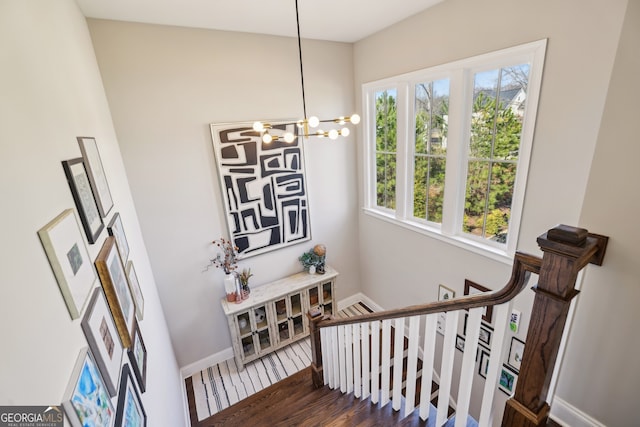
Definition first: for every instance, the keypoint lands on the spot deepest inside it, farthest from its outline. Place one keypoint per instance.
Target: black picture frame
(516, 351)
(128, 389)
(138, 358)
(472, 288)
(483, 366)
(83, 197)
(508, 380)
(485, 335)
(460, 343)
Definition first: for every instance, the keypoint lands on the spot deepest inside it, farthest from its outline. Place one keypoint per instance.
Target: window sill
(459, 241)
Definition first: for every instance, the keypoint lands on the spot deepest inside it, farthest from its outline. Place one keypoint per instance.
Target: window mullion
(456, 167)
(404, 152)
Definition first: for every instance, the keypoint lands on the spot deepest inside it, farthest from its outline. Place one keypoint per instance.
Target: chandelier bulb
(333, 134)
(267, 138)
(289, 137)
(345, 132)
(355, 119)
(258, 126)
(320, 133)
(314, 121)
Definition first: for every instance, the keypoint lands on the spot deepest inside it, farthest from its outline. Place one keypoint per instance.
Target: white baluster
(364, 330)
(341, 358)
(446, 371)
(335, 357)
(375, 361)
(501, 319)
(398, 351)
(348, 347)
(357, 358)
(428, 356)
(386, 361)
(412, 364)
(468, 370)
(326, 360)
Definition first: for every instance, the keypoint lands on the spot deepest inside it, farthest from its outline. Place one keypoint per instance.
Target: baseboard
(568, 415)
(201, 364)
(359, 297)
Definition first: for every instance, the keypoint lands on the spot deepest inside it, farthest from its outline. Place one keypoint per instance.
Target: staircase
(353, 383)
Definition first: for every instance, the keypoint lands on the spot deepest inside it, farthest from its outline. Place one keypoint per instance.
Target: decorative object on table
(227, 260)
(244, 277)
(508, 380)
(138, 358)
(263, 186)
(259, 314)
(102, 336)
(472, 288)
(314, 259)
(62, 241)
(116, 230)
(83, 197)
(86, 400)
(130, 411)
(134, 286)
(445, 293)
(95, 172)
(516, 351)
(116, 288)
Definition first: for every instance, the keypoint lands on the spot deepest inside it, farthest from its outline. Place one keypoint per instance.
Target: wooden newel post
(567, 250)
(314, 317)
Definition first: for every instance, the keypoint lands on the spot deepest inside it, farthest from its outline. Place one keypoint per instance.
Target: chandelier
(307, 125)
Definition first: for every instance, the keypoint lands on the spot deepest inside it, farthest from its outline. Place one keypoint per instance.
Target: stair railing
(354, 353)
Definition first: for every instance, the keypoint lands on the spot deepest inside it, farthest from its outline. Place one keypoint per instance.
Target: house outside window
(447, 148)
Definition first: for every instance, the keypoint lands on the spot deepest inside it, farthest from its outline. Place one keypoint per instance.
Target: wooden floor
(294, 402)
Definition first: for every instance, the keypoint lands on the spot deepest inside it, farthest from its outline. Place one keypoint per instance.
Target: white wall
(52, 93)
(582, 42)
(165, 85)
(603, 342)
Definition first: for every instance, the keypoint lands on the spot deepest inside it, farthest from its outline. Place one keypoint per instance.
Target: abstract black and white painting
(263, 187)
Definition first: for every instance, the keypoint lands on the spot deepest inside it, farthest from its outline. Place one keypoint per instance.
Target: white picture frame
(136, 291)
(69, 258)
(116, 229)
(95, 172)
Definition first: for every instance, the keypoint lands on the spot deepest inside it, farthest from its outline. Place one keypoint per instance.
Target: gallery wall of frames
(109, 376)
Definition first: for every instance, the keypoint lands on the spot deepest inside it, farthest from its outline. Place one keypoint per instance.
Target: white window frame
(460, 74)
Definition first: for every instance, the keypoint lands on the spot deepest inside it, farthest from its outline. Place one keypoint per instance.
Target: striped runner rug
(222, 385)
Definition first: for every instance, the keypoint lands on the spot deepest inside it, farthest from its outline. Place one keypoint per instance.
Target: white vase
(230, 286)
(312, 269)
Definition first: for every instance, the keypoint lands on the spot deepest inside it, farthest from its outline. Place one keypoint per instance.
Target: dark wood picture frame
(138, 358)
(95, 171)
(472, 288)
(128, 389)
(83, 197)
(116, 289)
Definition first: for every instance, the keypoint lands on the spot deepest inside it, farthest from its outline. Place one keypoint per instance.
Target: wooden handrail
(523, 266)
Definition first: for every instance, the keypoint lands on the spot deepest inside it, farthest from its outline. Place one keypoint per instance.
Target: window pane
(386, 125)
(496, 125)
(386, 180)
(431, 120)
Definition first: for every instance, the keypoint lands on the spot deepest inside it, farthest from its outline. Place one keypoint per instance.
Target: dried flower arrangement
(228, 258)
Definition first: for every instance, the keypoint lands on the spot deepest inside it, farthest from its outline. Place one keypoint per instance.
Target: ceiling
(335, 20)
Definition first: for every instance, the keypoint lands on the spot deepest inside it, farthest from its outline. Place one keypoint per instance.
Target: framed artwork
(116, 230)
(83, 198)
(483, 367)
(508, 380)
(460, 343)
(445, 293)
(130, 412)
(516, 351)
(102, 336)
(486, 333)
(472, 288)
(263, 187)
(134, 285)
(86, 401)
(138, 358)
(116, 289)
(69, 259)
(441, 322)
(97, 177)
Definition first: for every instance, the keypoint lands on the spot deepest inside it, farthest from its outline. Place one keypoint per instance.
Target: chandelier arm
(304, 103)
